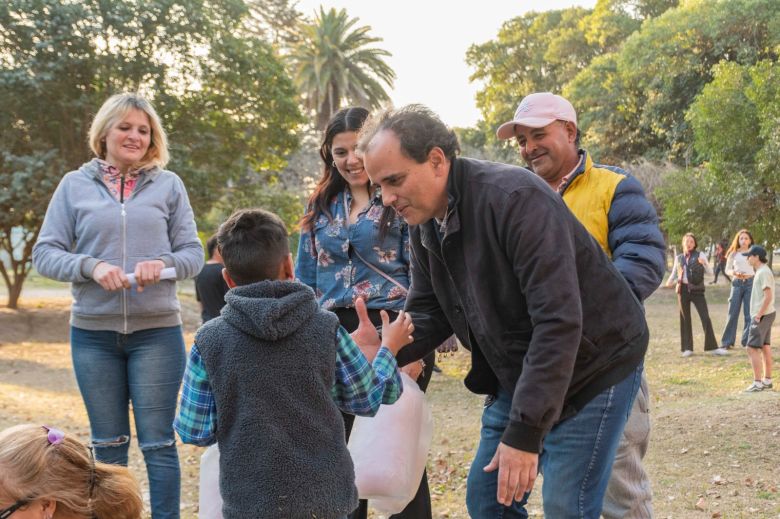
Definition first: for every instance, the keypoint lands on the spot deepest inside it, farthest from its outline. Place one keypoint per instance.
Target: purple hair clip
(55, 436)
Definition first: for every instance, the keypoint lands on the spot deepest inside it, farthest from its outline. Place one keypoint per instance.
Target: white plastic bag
(390, 450)
(210, 500)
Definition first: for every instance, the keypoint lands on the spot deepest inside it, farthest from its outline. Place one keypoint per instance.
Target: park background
(684, 94)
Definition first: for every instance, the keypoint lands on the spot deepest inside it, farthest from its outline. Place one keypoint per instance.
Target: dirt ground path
(715, 451)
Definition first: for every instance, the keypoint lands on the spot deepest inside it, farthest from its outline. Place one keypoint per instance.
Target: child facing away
(45, 473)
(762, 315)
(267, 378)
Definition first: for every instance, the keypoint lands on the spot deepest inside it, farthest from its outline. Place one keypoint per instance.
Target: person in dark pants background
(720, 261)
(210, 286)
(688, 274)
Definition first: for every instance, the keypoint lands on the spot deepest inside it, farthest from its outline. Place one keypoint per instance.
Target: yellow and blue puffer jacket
(611, 205)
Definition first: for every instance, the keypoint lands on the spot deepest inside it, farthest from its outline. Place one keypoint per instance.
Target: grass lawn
(715, 451)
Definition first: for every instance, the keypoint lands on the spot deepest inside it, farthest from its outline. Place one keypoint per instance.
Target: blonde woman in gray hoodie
(123, 213)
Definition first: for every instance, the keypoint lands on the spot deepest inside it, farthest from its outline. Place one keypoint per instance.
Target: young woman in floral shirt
(353, 247)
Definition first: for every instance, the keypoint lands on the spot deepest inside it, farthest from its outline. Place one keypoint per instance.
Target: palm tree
(333, 62)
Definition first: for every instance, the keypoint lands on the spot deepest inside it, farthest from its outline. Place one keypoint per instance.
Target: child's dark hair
(253, 243)
(211, 245)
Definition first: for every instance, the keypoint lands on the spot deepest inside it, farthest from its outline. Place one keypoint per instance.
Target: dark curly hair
(418, 129)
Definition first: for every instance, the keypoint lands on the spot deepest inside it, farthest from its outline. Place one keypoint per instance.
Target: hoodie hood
(269, 310)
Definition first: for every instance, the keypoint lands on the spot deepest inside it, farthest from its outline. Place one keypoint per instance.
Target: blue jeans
(739, 297)
(576, 460)
(145, 367)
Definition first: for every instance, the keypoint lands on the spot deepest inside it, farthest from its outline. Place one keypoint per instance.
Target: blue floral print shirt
(327, 262)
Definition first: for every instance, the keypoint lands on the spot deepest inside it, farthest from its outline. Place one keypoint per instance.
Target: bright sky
(429, 39)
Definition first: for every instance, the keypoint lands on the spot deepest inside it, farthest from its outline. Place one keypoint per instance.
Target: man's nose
(388, 198)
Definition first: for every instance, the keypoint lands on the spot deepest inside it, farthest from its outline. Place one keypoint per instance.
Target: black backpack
(695, 270)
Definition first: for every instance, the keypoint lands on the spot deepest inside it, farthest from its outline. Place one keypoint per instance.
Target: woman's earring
(334, 163)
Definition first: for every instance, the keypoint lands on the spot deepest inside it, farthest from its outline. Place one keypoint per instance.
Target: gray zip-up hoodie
(85, 224)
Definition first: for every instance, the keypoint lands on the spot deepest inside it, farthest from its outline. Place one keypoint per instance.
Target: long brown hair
(33, 468)
(695, 241)
(331, 182)
(735, 242)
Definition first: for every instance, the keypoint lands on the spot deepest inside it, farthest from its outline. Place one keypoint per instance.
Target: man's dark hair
(211, 244)
(418, 129)
(253, 243)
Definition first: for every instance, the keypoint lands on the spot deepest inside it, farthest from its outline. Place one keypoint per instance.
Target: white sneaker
(767, 383)
(755, 387)
(687, 353)
(719, 351)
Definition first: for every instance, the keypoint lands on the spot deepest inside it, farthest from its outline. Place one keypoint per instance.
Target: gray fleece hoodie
(271, 360)
(85, 224)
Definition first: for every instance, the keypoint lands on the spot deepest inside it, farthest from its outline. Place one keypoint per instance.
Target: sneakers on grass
(719, 351)
(755, 387)
(687, 353)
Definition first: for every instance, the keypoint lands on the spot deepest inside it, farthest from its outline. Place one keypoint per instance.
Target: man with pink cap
(612, 206)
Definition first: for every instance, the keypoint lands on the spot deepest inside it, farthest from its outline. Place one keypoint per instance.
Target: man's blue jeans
(739, 297)
(145, 367)
(576, 460)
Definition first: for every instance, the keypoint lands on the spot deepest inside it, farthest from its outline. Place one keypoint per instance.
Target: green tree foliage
(545, 51)
(25, 180)
(735, 125)
(334, 62)
(245, 130)
(533, 52)
(647, 86)
(226, 102)
(274, 21)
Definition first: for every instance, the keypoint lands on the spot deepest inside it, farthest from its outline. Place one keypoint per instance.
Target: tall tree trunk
(14, 292)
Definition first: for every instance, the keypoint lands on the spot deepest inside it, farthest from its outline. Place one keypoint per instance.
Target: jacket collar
(584, 167)
(429, 233)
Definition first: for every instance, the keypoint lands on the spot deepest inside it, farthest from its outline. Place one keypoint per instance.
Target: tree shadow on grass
(31, 374)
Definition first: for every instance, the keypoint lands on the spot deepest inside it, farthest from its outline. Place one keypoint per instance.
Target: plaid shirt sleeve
(196, 421)
(361, 387)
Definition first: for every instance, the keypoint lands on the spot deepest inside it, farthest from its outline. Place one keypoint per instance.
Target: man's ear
(571, 131)
(286, 269)
(228, 279)
(438, 160)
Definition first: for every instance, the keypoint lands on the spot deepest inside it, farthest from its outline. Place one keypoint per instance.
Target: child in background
(267, 378)
(762, 315)
(210, 286)
(48, 474)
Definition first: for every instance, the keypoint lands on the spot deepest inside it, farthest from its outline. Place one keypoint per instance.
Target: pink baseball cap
(536, 111)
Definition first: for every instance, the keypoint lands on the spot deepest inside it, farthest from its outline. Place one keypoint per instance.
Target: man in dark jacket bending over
(556, 336)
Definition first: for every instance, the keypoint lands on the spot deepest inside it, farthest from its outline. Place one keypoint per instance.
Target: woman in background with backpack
(688, 275)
